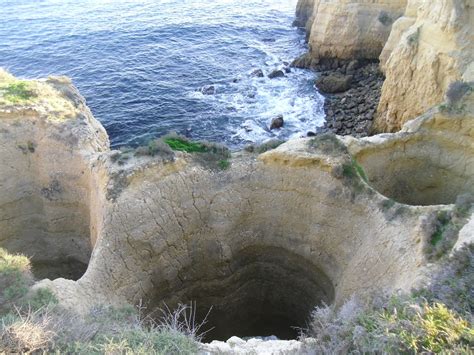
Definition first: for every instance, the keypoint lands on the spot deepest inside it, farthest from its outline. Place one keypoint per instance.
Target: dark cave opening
(67, 268)
(262, 291)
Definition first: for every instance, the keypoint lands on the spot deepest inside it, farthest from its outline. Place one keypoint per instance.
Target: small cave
(419, 173)
(67, 268)
(262, 291)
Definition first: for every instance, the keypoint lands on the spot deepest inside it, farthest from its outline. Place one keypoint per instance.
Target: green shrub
(17, 92)
(444, 226)
(437, 319)
(184, 145)
(443, 220)
(452, 283)
(414, 38)
(456, 91)
(224, 164)
(15, 279)
(40, 298)
(385, 19)
(328, 143)
(264, 147)
(210, 155)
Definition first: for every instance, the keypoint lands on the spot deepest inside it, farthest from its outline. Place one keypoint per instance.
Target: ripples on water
(140, 63)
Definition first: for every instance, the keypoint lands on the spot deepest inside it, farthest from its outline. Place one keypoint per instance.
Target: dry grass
(35, 93)
(29, 332)
(436, 319)
(104, 330)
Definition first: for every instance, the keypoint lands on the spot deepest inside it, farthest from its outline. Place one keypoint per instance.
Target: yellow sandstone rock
(431, 47)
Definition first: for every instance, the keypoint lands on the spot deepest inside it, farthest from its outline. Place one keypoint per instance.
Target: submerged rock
(277, 122)
(277, 73)
(257, 73)
(208, 90)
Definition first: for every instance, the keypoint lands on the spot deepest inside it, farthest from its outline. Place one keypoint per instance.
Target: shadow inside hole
(262, 291)
(67, 268)
(418, 172)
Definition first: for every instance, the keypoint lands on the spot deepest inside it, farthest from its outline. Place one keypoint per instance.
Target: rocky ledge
(352, 91)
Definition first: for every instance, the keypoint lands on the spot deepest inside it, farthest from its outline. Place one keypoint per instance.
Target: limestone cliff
(348, 29)
(429, 48)
(267, 239)
(48, 144)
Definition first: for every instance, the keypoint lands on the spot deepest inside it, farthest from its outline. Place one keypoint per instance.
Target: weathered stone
(347, 29)
(430, 47)
(334, 83)
(277, 73)
(208, 90)
(257, 73)
(302, 62)
(277, 122)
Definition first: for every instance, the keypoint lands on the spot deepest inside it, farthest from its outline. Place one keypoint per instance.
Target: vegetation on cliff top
(31, 321)
(36, 93)
(17, 92)
(435, 319)
(210, 155)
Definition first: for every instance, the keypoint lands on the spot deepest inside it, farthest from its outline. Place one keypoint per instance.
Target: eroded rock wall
(429, 162)
(46, 159)
(262, 242)
(429, 48)
(177, 233)
(347, 30)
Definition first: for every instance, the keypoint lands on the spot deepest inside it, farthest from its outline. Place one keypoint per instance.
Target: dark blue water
(140, 64)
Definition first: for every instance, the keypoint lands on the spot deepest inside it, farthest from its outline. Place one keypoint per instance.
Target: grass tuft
(328, 143)
(15, 279)
(264, 147)
(437, 319)
(443, 227)
(224, 164)
(17, 92)
(185, 145)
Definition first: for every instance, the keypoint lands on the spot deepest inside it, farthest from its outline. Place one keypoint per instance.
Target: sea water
(142, 64)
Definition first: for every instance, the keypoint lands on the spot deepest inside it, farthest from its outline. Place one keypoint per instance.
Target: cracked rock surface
(262, 242)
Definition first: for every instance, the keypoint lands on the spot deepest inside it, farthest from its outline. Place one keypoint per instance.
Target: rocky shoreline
(352, 91)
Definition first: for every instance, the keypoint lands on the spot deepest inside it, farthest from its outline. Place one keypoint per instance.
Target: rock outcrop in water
(262, 242)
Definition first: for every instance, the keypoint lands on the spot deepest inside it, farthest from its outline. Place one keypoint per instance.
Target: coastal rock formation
(348, 29)
(49, 192)
(430, 47)
(262, 242)
(305, 10)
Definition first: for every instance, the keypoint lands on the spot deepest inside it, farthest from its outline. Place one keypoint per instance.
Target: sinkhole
(261, 291)
(419, 172)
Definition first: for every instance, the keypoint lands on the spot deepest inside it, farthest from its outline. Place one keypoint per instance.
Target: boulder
(334, 83)
(302, 62)
(257, 73)
(208, 90)
(277, 122)
(277, 73)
